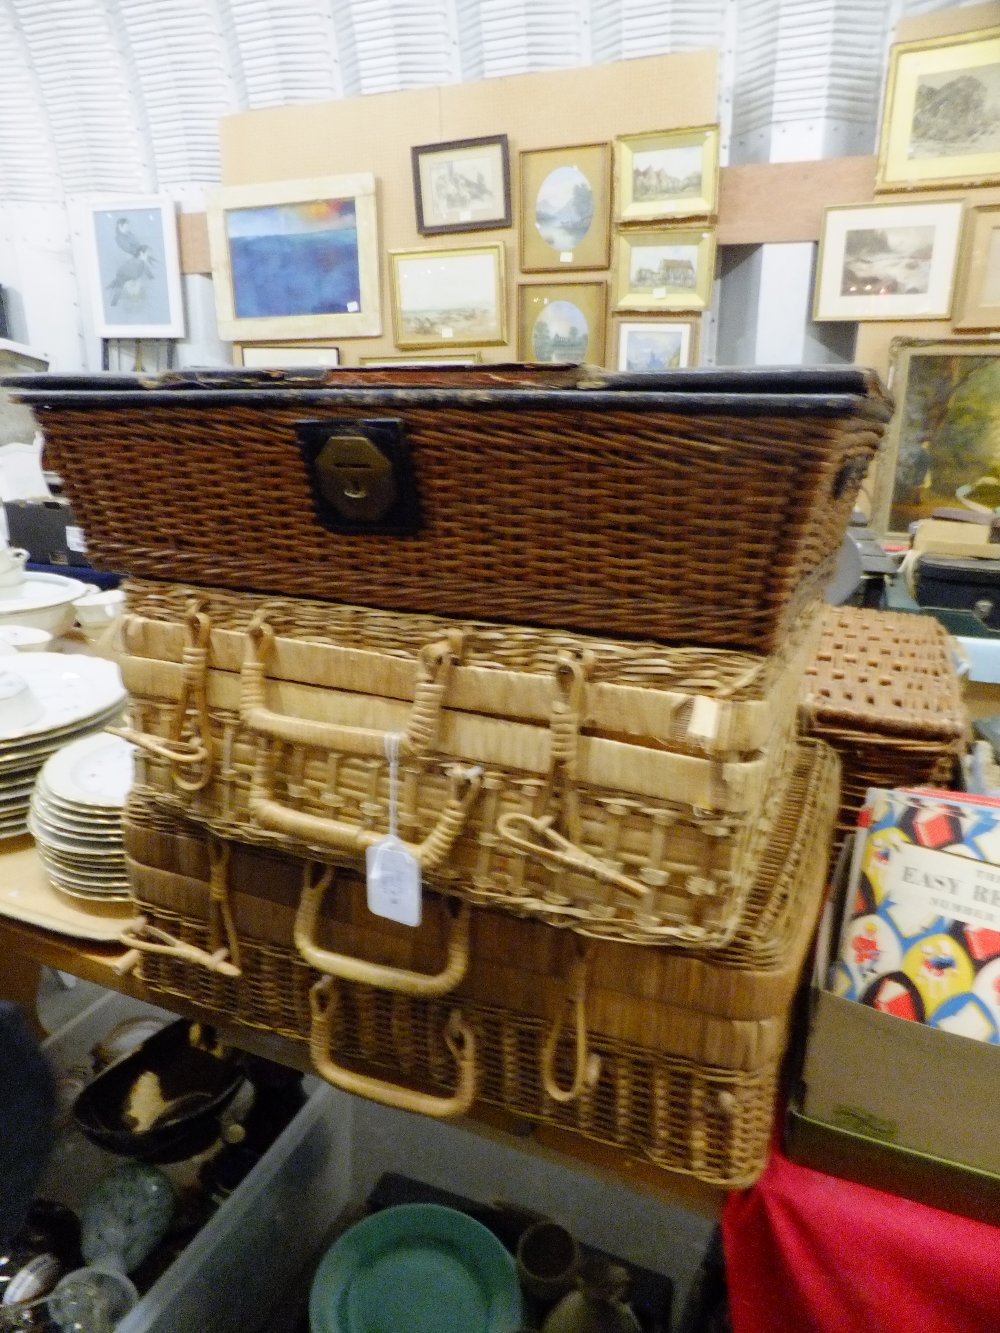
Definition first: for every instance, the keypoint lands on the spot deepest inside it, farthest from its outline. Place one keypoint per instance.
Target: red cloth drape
(810, 1253)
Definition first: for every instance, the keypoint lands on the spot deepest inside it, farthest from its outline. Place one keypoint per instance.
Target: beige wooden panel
(945, 22)
(784, 201)
(592, 104)
(192, 238)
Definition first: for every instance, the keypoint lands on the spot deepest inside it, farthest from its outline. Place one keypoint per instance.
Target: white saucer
(93, 771)
(71, 690)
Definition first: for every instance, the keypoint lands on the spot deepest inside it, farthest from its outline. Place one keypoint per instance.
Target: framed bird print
(134, 266)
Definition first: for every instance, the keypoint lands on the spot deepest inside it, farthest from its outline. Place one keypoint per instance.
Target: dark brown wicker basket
(696, 506)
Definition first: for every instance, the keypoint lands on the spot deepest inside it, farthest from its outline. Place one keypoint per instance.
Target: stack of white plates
(76, 817)
(46, 701)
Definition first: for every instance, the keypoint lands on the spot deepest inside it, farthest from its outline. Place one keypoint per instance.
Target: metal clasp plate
(361, 475)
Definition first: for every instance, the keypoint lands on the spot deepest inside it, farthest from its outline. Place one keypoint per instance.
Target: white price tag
(566, 257)
(75, 540)
(353, 307)
(659, 291)
(465, 215)
(447, 331)
(393, 881)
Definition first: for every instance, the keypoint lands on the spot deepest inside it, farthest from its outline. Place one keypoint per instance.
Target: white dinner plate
(71, 690)
(92, 771)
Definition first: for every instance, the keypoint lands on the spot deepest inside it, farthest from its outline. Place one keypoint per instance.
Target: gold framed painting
(667, 175)
(669, 268)
(566, 208)
(271, 356)
(977, 302)
(941, 116)
(447, 298)
(887, 261)
(562, 321)
(939, 449)
(645, 346)
(441, 359)
(296, 259)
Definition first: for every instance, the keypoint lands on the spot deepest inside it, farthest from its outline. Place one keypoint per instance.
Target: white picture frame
(133, 259)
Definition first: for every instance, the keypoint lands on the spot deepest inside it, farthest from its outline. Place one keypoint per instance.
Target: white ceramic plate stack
(47, 700)
(76, 817)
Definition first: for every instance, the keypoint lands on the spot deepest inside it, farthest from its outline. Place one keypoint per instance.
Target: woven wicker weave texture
(884, 691)
(599, 511)
(709, 1117)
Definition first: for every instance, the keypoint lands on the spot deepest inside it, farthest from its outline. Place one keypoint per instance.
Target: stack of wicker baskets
(623, 842)
(884, 691)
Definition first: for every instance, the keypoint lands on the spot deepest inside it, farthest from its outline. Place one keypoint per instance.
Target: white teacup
(26, 638)
(12, 562)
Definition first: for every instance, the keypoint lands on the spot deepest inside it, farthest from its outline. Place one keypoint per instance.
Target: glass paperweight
(126, 1217)
(91, 1300)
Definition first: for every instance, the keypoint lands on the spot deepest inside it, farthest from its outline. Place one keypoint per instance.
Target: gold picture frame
(449, 298)
(935, 129)
(977, 302)
(469, 358)
(652, 344)
(888, 260)
(562, 321)
(566, 208)
(938, 449)
(268, 356)
(668, 175)
(296, 259)
(666, 268)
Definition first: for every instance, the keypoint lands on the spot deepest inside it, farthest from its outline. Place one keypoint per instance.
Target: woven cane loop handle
(558, 852)
(419, 736)
(571, 676)
(222, 928)
(151, 939)
(586, 1068)
(351, 838)
(458, 1037)
(315, 882)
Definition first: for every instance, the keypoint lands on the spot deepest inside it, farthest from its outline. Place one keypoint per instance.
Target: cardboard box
(47, 530)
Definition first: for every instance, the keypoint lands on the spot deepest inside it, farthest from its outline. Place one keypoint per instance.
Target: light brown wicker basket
(603, 1041)
(622, 788)
(884, 691)
(696, 506)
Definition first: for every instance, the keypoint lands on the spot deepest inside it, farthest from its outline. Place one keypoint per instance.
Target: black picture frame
(462, 185)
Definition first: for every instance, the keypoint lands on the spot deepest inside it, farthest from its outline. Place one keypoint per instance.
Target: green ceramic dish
(419, 1267)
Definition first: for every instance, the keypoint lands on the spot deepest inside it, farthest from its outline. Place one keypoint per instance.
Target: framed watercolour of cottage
(670, 268)
(977, 301)
(887, 261)
(448, 298)
(461, 186)
(649, 345)
(134, 265)
(296, 259)
(562, 321)
(941, 117)
(565, 208)
(667, 175)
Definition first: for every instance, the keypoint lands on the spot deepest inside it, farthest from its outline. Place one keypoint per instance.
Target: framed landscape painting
(941, 118)
(562, 321)
(977, 302)
(461, 186)
(134, 266)
(887, 261)
(650, 345)
(296, 259)
(445, 298)
(940, 449)
(667, 175)
(566, 208)
(671, 268)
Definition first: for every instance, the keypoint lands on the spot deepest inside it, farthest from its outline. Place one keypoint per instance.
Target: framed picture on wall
(670, 268)
(939, 449)
(977, 299)
(941, 116)
(566, 208)
(461, 186)
(562, 321)
(296, 259)
(469, 358)
(649, 345)
(666, 175)
(134, 265)
(887, 261)
(272, 356)
(444, 298)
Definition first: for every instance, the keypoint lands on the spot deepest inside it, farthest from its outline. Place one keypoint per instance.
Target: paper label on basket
(704, 718)
(75, 540)
(393, 880)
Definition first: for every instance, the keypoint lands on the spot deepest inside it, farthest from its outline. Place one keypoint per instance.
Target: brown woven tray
(697, 506)
(689, 1088)
(884, 691)
(624, 789)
